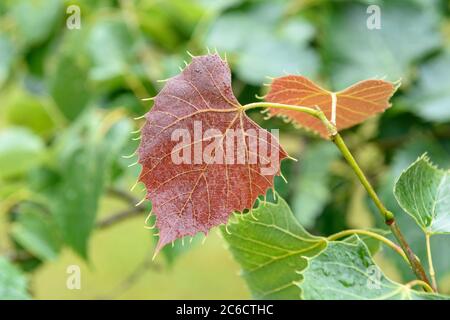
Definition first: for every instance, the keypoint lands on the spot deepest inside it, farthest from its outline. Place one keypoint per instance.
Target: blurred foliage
(13, 284)
(68, 99)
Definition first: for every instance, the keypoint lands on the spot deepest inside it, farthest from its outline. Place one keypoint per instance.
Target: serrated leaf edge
(424, 157)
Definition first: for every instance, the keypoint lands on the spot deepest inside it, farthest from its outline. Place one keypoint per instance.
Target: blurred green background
(68, 99)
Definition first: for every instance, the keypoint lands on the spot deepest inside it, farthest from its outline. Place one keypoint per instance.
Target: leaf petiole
(430, 262)
(315, 112)
(371, 234)
(424, 285)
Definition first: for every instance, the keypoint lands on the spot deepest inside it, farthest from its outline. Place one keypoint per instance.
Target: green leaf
(36, 20)
(254, 67)
(430, 98)
(355, 52)
(21, 108)
(84, 159)
(423, 192)
(20, 150)
(312, 191)
(346, 271)
(156, 24)
(37, 233)
(69, 87)
(250, 49)
(110, 47)
(219, 5)
(13, 284)
(271, 247)
(439, 243)
(226, 34)
(7, 54)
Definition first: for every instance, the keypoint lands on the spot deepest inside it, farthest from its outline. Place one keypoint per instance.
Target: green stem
(417, 282)
(387, 215)
(374, 235)
(339, 142)
(311, 111)
(430, 262)
(421, 283)
(414, 261)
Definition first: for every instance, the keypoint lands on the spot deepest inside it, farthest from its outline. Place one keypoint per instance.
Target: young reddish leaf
(194, 197)
(344, 108)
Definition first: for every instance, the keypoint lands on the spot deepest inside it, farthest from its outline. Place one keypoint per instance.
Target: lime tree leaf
(225, 33)
(13, 284)
(356, 52)
(7, 53)
(37, 233)
(346, 271)
(23, 109)
(430, 98)
(84, 159)
(250, 49)
(68, 86)
(20, 150)
(416, 238)
(253, 65)
(218, 5)
(272, 248)
(110, 48)
(156, 24)
(346, 108)
(423, 191)
(36, 20)
(312, 192)
(196, 192)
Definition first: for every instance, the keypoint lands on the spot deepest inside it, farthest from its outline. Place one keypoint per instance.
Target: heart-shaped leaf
(344, 108)
(401, 159)
(346, 271)
(214, 176)
(423, 191)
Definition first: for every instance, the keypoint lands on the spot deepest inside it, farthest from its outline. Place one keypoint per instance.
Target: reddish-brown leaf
(352, 105)
(189, 198)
